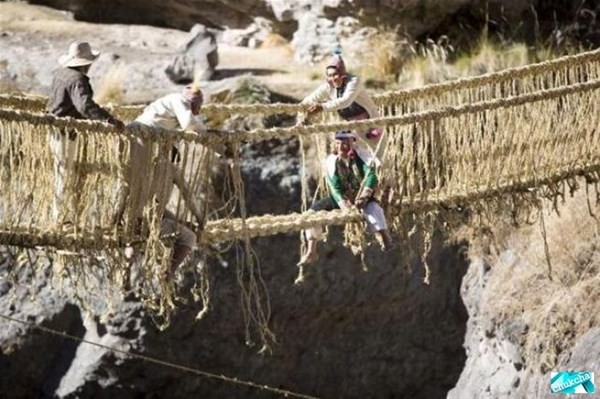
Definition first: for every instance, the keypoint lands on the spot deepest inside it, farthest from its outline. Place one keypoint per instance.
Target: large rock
(315, 38)
(252, 36)
(198, 58)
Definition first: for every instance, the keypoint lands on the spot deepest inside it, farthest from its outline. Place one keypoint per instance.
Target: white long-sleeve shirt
(354, 91)
(171, 112)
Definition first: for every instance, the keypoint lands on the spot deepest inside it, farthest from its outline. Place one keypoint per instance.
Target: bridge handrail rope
(416, 117)
(158, 134)
(90, 127)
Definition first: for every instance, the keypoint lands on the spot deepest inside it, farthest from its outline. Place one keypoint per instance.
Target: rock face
(344, 333)
(494, 367)
(310, 23)
(510, 353)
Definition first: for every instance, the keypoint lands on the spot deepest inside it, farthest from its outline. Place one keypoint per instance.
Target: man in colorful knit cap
(346, 94)
(351, 183)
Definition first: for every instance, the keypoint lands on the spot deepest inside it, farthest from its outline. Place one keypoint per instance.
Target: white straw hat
(80, 54)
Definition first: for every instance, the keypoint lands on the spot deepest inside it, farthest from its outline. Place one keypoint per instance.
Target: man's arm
(350, 94)
(320, 94)
(368, 184)
(370, 177)
(82, 97)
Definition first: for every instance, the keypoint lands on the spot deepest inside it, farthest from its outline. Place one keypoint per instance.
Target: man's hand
(314, 108)
(117, 123)
(363, 198)
(345, 204)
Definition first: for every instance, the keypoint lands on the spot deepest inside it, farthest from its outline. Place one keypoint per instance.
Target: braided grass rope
(440, 195)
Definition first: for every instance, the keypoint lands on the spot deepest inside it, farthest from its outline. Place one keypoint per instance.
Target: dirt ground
(33, 37)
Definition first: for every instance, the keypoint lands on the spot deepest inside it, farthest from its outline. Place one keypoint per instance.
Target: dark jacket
(72, 96)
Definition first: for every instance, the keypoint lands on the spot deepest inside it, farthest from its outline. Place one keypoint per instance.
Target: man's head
(80, 56)
(335, 71)
(194, 97)
(344, 140)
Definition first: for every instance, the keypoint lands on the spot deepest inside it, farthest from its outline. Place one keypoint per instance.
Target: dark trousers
(325, 204)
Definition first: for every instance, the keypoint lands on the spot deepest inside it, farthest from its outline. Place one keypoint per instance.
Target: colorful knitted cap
(337, 62)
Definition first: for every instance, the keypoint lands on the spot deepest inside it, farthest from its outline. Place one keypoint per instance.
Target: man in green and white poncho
(351, 183)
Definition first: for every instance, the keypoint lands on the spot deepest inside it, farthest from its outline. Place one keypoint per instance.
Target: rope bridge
(494, 142)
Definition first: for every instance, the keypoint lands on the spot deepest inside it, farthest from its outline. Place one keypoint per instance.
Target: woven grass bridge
(490, 143)
(450, 143)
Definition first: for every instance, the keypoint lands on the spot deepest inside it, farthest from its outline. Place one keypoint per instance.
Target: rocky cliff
(315, 27)
(531, 314)
(344, 333)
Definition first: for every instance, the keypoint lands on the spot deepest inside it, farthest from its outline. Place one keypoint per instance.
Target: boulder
(253, 36)
(315, 39)
(199, 56)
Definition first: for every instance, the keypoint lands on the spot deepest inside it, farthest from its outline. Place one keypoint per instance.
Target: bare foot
(308, 259)
(300, 279)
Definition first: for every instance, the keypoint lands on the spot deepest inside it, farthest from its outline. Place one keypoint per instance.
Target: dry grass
(396, 61)
(110, 90)
(489, 57)
(275, 40)
(557, 311)
(430, 64)
(384, 56)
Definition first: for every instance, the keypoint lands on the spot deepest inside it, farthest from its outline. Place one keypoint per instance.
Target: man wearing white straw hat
(71, 95)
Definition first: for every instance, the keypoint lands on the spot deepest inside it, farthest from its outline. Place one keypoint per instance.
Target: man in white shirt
(173, 111)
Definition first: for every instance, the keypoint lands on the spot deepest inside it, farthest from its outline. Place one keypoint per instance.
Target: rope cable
(150, 359)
